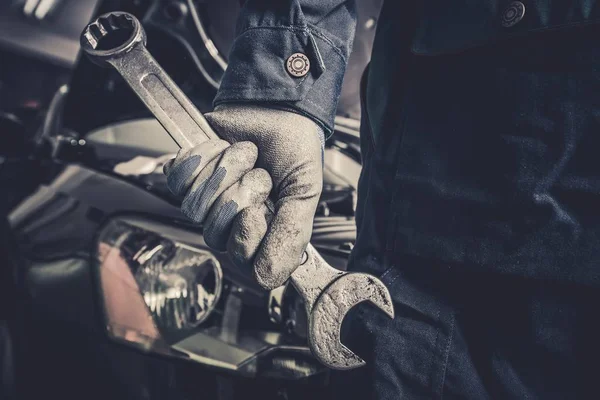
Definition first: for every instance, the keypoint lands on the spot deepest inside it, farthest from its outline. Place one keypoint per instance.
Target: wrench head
(112, 35)
(333, 304)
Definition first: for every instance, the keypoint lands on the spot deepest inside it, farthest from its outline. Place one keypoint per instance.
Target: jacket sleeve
(268, 33)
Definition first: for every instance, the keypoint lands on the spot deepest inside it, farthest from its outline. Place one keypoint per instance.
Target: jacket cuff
(257, 71)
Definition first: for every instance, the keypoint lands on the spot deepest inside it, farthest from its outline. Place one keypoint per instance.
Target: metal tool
(118, 39)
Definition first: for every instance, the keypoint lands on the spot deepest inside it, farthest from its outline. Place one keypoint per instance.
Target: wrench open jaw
(329, 294)
(118, 39)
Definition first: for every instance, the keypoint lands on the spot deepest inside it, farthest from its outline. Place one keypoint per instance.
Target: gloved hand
(222, 189)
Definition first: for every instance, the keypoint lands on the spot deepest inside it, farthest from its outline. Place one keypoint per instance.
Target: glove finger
(216, 177)
(247, 232)
(290, 230)
(252, 190)
(182, 170)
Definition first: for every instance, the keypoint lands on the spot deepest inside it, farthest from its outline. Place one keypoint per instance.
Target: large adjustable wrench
(118, 39)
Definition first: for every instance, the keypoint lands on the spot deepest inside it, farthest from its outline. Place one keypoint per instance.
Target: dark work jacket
(483, 140)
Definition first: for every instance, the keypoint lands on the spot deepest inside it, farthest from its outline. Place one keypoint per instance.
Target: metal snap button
(298, 65)
(513, 14)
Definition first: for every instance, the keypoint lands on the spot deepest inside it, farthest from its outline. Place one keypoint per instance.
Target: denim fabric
(478, 207)
(268, 33)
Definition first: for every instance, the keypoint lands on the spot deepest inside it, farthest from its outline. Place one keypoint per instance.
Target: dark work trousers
(479, 207)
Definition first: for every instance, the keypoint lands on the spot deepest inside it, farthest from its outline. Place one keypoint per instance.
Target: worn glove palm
(224, 184)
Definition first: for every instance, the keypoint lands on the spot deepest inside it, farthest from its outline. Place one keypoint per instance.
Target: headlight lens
(152, 285)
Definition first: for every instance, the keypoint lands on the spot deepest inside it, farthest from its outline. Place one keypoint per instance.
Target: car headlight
(154, 285)
(164, 291)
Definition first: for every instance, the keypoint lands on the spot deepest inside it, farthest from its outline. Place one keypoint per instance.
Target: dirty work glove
(225, 186)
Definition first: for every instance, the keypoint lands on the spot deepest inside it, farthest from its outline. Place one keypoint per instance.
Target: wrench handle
(171, 107)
